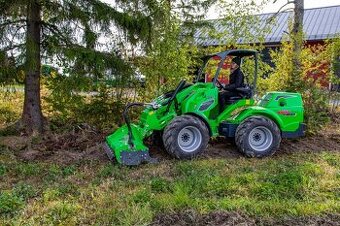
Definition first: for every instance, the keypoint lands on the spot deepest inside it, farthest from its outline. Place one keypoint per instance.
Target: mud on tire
(185, 137)
(258, 136)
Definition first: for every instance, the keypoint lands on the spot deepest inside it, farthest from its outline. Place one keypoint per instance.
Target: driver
(236, 80)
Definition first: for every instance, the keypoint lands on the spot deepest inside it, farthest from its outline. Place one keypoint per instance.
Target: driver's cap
(237, 60)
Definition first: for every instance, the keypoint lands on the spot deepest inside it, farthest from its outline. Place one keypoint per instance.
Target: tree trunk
(32, 117)
(297, 38)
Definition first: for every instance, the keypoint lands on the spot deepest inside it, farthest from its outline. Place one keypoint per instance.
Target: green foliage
(68, 36)
(104, 109)
(143, 196)
(68, 188)
(28, 169)
(334, 52)
(24, 191)
(170, 60)
(69, 170)
(9, 72)
(9, 203)
(10, 106)
(238, 17)
(3, 170)
(159, 185)
(75, 99)
(333, 160)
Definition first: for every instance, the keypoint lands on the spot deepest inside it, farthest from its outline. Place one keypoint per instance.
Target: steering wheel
(220, 85)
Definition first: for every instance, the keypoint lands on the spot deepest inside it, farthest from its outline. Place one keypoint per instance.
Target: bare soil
(84, 142)
(221, 218)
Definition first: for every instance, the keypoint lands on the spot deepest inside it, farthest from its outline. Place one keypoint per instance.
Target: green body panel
(201, 99)
(285, 109)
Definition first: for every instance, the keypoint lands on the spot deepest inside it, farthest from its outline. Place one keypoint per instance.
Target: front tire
(258, 136)
(185, 137)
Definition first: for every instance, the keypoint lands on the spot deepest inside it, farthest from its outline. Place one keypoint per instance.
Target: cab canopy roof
(234, 52)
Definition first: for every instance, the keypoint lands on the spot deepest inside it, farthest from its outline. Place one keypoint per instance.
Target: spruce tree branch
(8, 22)
(11, 47)
(16, 32)
(55, 30)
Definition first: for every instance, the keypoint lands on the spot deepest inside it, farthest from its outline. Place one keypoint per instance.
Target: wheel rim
(189, 139)
(260, 138)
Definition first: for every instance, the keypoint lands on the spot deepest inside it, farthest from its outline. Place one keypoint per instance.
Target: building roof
(318, 24)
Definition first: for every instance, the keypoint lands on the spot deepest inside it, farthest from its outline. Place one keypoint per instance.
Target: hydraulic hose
(127, 119)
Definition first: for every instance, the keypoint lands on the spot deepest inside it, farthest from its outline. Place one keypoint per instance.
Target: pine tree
(67, 31)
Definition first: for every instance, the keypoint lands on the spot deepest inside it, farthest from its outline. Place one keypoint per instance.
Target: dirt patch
(222, 148)
(327, 139)
(15, 142)
(190, 217)
(84, 142)
(219, 218)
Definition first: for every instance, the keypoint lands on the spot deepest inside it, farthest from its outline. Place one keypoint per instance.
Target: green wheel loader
(191, 114)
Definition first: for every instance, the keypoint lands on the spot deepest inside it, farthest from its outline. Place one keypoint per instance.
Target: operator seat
(245, 92)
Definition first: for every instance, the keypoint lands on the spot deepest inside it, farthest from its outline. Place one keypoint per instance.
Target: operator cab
(216, 69)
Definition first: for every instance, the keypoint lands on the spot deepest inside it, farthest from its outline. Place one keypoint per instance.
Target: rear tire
(185, 137)
(258, 136)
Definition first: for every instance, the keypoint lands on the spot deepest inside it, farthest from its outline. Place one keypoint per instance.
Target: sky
(308, 4)
(270, 8)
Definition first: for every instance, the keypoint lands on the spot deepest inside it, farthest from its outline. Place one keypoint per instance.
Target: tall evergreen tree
(67, 32)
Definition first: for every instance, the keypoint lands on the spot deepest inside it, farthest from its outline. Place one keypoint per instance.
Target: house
(319, 24)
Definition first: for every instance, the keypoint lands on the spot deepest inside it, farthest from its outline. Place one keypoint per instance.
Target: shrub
(74, 100)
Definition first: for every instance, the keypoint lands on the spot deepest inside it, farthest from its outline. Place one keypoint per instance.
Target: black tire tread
(241, 132)
(170, 139)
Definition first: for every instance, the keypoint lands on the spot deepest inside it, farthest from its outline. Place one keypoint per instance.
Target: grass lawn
(100, 193)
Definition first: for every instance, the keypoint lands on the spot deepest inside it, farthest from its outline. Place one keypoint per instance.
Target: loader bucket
(127, 151)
